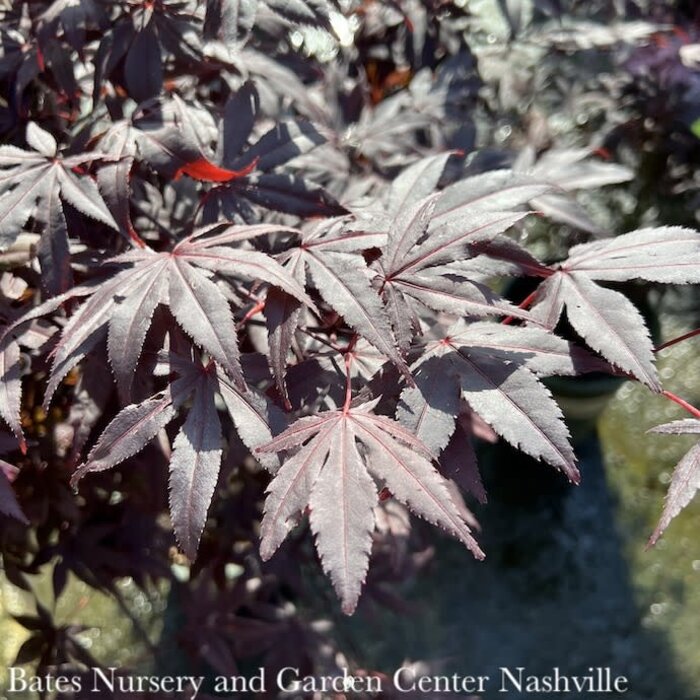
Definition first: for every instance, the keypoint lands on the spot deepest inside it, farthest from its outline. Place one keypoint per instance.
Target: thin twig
(524, 304)
(673, 341)
(682, 403)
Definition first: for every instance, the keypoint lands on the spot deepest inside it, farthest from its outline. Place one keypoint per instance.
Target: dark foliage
(244, 234)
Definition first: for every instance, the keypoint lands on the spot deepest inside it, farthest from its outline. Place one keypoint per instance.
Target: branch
(681, 402)
(522, 305)
(673, 341)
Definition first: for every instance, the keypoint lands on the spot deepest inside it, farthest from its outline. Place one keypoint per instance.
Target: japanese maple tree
(299, 257)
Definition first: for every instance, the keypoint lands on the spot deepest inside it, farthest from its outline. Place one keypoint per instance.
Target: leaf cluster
(240, 254)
